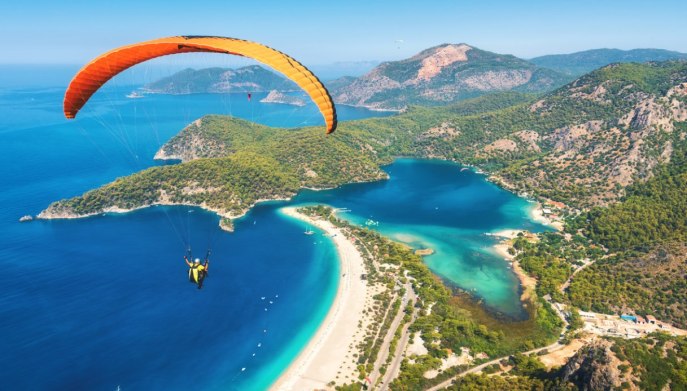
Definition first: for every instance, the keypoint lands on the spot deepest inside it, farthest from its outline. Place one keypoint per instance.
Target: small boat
(135, 95)
(371, 222)
(309, 232)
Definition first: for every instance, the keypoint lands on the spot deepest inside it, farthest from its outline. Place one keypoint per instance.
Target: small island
(226, 224)
(278, 97)
(424, 251)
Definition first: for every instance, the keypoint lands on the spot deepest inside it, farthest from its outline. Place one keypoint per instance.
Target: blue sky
(322, 31)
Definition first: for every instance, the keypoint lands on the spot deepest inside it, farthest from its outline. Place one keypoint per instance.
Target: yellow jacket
(195, 271)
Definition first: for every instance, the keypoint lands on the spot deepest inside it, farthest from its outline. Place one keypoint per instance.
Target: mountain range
(579, 63)
(440, 75)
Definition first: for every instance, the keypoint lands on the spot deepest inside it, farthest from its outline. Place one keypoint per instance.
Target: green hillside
(252, 78)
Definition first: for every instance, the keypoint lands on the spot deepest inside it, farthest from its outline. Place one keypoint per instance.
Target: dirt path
(550, 348)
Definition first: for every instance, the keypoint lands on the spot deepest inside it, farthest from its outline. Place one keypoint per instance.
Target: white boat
(309, 232)
(135, 95)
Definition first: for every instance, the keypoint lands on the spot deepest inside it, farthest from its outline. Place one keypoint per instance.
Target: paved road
(384, 349)
(395, 366)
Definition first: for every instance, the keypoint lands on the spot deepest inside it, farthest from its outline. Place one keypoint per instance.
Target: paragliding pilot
(197, 271)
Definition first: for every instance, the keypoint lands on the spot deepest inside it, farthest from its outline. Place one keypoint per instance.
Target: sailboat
(309, 231)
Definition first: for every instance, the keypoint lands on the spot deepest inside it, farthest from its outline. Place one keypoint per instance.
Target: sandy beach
(506, 233)
(328, 355)
(527, 282)
(537, 214)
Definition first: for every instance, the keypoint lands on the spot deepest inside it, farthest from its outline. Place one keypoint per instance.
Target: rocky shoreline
(225, 223)
(277, 97)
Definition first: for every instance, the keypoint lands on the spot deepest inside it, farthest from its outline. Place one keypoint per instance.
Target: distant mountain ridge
(253, 78)
(579, 63)
(443, 74)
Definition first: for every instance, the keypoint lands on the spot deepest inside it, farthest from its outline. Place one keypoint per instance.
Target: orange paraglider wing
(96, 73)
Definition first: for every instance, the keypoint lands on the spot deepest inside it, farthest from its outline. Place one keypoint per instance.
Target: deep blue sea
(104, 302)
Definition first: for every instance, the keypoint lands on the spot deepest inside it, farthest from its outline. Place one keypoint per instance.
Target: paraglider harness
(193, 265)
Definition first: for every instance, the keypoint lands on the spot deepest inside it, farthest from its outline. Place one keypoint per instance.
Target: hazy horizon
(321, 34)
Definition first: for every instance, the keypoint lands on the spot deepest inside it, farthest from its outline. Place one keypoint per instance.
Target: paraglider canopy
(96, 73)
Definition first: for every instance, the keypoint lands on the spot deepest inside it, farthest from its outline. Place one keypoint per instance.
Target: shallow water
(449, 209)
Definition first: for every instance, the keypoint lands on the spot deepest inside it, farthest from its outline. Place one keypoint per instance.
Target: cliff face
(593, 368)
(440, 75)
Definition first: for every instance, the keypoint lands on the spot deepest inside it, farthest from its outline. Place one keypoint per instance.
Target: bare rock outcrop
(194, 146)
(443, 74)
(593, 368)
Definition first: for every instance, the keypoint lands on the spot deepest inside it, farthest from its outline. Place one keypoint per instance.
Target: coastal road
(446, 383)
(395, 365)
(567, 282)
(384, 348)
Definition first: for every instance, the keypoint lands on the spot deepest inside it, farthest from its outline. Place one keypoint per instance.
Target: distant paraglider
(96, 73)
